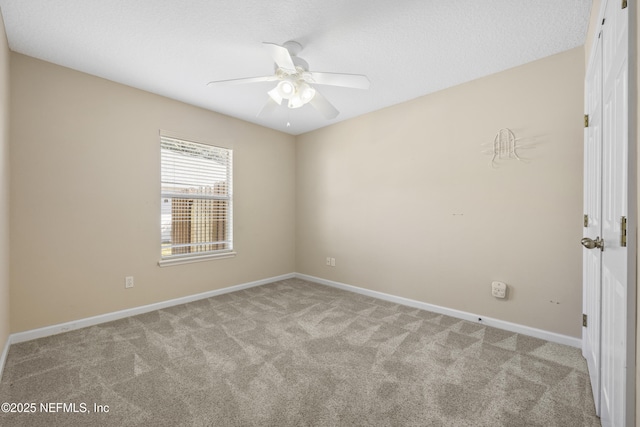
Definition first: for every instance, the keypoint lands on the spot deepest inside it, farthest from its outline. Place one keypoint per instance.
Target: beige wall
(4, 187)
(85, 205)
(408, 205)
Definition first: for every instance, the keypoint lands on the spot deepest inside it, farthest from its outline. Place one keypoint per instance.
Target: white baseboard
(109, 317)
(501, 324)
(3, 357)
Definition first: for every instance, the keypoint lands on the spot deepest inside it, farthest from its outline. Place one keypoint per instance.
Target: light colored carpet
(294, 353)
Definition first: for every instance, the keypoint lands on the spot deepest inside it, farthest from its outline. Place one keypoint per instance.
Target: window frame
(191, 257)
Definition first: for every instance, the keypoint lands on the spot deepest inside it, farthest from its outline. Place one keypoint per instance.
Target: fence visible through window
(196, 198)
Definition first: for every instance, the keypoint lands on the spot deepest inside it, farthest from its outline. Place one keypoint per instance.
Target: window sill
(191, 259)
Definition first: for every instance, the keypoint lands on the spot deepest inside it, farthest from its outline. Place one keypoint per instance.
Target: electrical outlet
(498, 289)
(328, 261)
(128, 282)
(333, 262)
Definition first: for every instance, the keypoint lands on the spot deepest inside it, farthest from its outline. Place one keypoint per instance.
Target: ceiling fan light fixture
(303, 95)
(296, 101)
(306, 92)
(275, 95)
(286, 89)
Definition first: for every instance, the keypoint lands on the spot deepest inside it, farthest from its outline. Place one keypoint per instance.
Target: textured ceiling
(407, 48)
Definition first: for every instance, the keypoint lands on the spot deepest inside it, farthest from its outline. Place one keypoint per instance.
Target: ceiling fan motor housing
(293, 47)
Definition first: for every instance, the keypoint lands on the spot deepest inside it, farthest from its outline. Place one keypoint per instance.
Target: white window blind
(196, 198)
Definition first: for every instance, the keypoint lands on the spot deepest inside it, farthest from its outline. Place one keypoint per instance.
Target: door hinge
(586, 120)
(584, 320)
(624, 4)
(585, 221)
(623, 231)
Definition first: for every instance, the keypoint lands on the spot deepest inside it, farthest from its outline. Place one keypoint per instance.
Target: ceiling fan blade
(280, 56)
(357, 81)
(321, 104)
(242, 81)
(268, 108)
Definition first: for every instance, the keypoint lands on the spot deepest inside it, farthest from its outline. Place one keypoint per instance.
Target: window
(196, 201)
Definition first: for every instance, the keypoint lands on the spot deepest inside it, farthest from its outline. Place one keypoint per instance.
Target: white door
(592, 258)
(615, 112)
(606, 273)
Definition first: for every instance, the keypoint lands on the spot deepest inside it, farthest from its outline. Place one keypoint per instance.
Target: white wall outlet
(498, 289)
(333, 262)
(128, 282)
(328, 261)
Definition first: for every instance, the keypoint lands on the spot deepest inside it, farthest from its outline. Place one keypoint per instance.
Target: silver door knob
(592, 244)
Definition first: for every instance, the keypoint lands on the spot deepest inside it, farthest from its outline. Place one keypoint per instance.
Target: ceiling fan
(296, 82)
